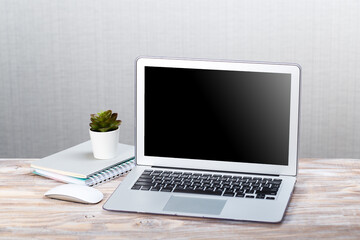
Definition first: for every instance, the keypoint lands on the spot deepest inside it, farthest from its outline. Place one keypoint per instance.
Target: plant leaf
(104, 121)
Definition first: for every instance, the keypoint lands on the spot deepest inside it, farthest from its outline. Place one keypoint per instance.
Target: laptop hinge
(207, 170)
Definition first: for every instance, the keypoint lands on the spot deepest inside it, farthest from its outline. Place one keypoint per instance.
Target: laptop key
(143, 183)
(136, 187)
(240, 195)
(240, 191)
(267, 189)
(186, 182)
(233, 180)
(249, 191)
(166, 190)
(143, 178)
(228, 194)
(260, 196)
(197, 191)
(267, 192)
(273, 182)
(148, 174)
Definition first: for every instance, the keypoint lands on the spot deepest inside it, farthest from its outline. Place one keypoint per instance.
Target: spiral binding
(110, 173)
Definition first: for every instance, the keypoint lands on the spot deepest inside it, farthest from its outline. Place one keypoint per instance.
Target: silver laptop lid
(217, 115)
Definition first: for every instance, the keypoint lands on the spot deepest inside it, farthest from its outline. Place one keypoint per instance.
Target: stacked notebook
(78, 165)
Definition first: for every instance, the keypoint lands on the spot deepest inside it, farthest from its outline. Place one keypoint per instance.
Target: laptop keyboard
(210, 184)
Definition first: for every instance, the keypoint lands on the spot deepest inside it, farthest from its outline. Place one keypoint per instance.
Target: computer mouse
(75, 193)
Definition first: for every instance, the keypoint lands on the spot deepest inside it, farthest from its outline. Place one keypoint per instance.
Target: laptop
(214, 139)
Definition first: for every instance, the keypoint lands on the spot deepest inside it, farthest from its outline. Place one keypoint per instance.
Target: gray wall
(61, 60)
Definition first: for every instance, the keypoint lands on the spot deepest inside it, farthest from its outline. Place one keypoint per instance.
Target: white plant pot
(105, 144)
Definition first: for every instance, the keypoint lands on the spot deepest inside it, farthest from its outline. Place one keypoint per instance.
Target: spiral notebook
(101, 177)
(78, 165)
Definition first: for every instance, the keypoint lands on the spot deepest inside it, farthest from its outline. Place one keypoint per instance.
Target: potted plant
(104, 134)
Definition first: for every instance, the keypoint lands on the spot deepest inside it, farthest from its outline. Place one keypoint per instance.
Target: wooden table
(325, 204)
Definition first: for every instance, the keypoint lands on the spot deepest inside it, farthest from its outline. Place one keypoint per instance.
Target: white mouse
(75, 193)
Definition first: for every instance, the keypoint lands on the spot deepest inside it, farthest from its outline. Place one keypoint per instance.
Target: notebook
(79, 162)
(101, 177)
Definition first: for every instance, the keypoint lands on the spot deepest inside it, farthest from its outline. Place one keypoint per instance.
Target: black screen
(217, 115)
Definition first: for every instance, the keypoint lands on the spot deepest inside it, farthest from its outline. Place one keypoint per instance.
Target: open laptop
(214, 139)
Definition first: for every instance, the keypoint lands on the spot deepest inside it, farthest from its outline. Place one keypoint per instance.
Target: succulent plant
(104, 121)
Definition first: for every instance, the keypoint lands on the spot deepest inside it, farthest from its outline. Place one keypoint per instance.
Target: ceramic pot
(105, 144)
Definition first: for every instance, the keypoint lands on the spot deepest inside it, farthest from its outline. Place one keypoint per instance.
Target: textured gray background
(61, 60)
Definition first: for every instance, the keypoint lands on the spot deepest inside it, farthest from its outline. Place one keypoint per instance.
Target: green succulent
(104, 121)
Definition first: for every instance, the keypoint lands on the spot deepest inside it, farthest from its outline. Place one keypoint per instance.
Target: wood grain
(325, 204)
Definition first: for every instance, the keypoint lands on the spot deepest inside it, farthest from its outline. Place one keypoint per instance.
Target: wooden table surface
(325, 204)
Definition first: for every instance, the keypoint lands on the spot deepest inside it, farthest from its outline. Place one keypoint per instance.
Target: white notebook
(79, 162)
(101, 177)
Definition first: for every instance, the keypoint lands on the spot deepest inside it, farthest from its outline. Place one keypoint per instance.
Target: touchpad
(194, 205)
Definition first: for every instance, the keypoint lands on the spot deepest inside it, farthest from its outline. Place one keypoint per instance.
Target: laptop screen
(219, 115)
